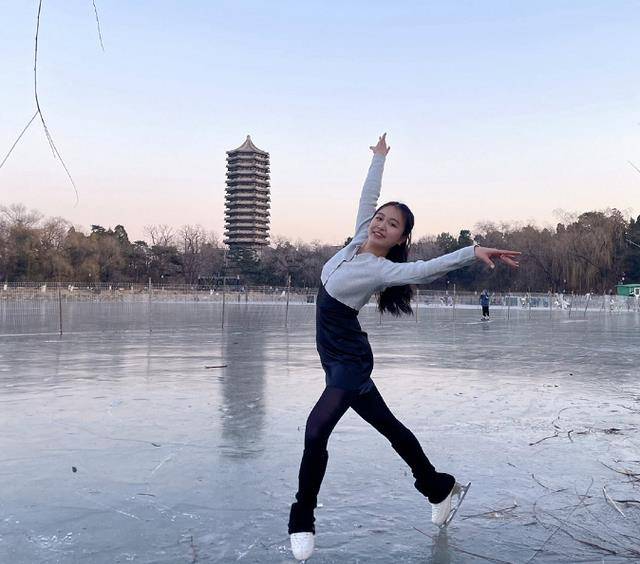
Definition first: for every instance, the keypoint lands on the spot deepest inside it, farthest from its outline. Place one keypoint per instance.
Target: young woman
(374, 261)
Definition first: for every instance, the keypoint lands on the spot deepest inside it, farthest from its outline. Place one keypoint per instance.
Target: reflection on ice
(440, 552)
(242, 408)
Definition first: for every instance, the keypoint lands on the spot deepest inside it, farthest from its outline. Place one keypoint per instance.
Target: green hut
(628, 289)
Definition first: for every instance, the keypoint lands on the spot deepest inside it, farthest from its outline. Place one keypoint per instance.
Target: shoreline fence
(51, 304)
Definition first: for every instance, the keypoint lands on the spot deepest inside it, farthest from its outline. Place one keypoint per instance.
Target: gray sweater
(352, 278)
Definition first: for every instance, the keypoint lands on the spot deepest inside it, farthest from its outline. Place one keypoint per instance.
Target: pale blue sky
(498, 111)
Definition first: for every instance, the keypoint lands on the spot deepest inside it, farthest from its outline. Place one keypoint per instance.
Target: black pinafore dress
(343, 346)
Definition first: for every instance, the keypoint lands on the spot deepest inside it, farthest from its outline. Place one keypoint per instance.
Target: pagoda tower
(247, 201)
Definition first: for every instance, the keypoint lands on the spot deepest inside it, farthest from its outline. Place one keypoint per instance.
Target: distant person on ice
(374, 261)
(484, 302)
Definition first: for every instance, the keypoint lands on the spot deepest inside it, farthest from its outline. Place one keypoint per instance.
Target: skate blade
(461, 492)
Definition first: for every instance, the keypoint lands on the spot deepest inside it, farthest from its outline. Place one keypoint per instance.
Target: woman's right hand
(381, 148)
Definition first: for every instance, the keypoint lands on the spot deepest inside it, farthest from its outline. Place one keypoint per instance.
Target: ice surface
(179, 463)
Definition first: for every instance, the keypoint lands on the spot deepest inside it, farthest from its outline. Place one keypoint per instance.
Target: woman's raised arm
(371, 188)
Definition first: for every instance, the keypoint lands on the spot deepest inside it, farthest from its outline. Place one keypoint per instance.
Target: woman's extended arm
(371, 188)
(425, 271)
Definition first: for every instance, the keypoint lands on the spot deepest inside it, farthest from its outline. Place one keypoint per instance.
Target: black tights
(324, 416)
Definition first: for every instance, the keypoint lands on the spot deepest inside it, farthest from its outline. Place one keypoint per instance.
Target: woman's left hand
(485, 254)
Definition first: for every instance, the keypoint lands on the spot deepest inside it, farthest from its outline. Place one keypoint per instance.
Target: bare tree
(161, 235)
(192, 239)
(19, 215)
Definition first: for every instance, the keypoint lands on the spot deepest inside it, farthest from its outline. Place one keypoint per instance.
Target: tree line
(587, 252)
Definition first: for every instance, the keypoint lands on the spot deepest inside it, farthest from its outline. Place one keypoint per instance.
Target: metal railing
(49, 304)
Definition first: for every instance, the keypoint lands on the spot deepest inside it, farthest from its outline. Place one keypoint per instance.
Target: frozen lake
(119, 445)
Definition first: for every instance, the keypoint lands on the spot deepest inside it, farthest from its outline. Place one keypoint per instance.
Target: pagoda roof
(248, 147)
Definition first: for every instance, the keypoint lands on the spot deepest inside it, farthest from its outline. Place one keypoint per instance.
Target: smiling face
(386, 228)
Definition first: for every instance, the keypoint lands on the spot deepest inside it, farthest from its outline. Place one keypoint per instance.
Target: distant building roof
(248, 147)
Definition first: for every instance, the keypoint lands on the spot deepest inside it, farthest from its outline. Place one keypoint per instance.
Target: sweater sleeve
(369, 197)
(425, 271)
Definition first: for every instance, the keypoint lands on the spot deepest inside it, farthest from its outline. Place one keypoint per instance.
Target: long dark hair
(397, 299)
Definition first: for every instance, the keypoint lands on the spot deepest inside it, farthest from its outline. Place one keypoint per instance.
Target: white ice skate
(302, 545)
(443, 512)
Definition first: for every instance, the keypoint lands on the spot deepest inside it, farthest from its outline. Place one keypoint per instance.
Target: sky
(495, 110)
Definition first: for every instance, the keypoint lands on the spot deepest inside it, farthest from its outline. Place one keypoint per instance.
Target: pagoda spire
(248, 147)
